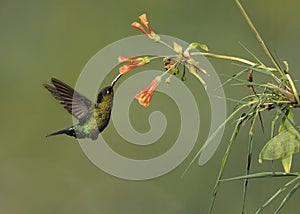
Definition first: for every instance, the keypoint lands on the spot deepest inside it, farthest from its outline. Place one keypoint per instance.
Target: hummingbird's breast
(102, 113)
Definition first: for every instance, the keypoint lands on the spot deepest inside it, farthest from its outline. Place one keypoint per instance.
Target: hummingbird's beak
(115, 80)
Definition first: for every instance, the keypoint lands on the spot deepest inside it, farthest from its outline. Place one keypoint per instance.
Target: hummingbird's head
(105, 93)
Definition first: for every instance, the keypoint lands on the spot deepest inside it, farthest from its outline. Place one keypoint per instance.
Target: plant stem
(259, 38)
(233, 58)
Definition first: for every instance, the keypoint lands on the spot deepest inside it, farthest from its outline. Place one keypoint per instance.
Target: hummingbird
(93, 117)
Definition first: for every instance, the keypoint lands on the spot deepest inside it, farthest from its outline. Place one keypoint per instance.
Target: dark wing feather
(76, 104)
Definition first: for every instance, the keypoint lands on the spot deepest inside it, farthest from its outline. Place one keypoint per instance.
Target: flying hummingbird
(93, 117)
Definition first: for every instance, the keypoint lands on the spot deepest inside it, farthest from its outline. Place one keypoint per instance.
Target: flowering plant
(278, 93)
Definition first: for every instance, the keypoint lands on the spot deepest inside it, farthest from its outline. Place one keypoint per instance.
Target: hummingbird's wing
(76, 104)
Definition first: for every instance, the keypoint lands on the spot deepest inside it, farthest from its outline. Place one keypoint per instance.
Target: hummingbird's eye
(108, 92)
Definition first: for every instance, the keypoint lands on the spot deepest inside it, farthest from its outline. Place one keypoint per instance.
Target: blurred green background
(41, 39)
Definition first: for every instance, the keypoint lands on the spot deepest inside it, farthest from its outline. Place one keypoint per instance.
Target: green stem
(232, 58)
(293, 88)
(259, 38)
(165, 44)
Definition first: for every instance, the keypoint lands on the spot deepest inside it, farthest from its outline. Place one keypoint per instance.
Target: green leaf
(194, 63)
(287, 197)
(284, 144)
(194, 45)
(287, 122)
(286, 163)
(261, 175)
(177, 48)
(193, 71)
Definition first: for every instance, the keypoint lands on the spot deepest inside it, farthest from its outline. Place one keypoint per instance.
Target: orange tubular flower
(144, 97)
(140, 27)
(134, 62)
(144, 20)
(134, 59)
(125, 68)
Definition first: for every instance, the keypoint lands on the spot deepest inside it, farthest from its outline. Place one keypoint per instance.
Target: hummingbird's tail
(69, 131)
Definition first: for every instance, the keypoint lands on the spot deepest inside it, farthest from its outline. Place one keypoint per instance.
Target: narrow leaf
(287, 197)
(286, 163)
(194, 45)
(193, 71)
(177, 48)
(261, 175)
